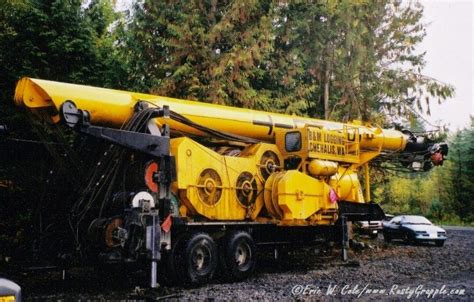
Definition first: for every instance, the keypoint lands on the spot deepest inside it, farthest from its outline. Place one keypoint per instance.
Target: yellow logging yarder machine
(218, 181)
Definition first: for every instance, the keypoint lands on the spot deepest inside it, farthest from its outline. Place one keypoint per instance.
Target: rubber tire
(183, 259)
(231, 270)
(439, 243)
(409, 240)
(167, 270)
(387, 237)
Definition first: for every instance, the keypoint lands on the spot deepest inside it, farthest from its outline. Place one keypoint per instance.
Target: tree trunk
(326, 92)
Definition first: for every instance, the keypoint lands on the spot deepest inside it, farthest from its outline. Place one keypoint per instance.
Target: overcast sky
(449, 46)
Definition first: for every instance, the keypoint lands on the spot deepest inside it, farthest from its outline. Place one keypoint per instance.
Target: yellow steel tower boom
(114, 107)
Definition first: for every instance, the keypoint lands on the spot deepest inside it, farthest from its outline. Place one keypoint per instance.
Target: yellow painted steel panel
(301, 196)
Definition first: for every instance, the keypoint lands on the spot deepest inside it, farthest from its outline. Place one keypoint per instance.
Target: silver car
(412, 229)
(370, 228)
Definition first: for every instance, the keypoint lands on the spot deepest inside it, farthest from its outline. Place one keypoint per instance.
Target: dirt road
(380, 271)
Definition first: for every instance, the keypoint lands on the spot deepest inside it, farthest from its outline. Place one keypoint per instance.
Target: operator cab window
(293, 141)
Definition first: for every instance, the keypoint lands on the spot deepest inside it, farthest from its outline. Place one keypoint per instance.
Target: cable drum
(246, 189)
(209, 187)
(270, 195)
(268, 163)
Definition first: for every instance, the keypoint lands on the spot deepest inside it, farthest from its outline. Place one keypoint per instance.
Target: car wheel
(439, 243)
(408, 239)
(238, 257)
(387, 237)
(197, 259)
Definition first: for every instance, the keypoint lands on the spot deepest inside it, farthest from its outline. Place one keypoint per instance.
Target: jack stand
(154, 255)
(345, 238)
(154, 283)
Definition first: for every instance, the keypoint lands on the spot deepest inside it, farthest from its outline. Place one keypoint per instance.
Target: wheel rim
(201, 259)
(243, 255)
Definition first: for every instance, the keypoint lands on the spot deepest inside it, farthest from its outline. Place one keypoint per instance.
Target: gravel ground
(394, 271)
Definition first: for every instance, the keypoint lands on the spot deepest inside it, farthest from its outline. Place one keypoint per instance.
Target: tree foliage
(200, 50)
(55, 40)
(340, 59)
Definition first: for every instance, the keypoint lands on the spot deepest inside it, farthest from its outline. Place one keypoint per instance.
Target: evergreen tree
(54, 40)
(461, 172)
(212, 51)
(358, 58)
(340, 59)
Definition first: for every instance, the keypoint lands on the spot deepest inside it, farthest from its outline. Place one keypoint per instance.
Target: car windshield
(415, 220)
